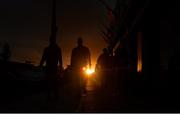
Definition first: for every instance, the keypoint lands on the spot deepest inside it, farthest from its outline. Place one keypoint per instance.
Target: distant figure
(103, 60)
(53, 59)
(103, 68)
(6, 52)
(80, 58)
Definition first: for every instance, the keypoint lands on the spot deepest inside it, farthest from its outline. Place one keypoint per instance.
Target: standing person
(103, 68)
(53, 59)
(80, 58)
(103, 60)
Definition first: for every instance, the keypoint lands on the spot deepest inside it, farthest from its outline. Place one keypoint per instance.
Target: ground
(29, 96)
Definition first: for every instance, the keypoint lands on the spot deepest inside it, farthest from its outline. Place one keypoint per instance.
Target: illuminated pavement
(99, 100)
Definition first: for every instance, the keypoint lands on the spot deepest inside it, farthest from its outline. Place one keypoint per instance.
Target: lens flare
(89, 71)
(84, 68)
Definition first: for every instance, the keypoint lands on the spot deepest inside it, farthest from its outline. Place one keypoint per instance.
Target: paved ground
(97, 99)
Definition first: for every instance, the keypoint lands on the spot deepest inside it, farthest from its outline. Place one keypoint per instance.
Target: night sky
(25, 25)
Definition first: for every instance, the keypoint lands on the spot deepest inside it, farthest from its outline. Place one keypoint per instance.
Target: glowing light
(84, 68)
(139, 66)
(89, 71)
(139, 51)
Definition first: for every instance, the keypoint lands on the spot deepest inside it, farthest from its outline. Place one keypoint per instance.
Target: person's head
(80, 41)
(105, 51)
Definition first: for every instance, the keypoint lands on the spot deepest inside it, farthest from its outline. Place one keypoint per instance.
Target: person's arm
(99, 62)
(60, 59)
(72, 54)
(89, 58)
(43, 59)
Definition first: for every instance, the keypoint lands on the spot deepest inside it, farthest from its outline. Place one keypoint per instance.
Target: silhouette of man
(80, 58)
(103, 67)
(53, 59)
(103, 60)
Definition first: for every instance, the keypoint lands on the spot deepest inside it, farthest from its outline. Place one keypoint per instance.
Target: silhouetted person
(6, 53)
(80, 58)
(103, 60)
(103, 68)
(53, 59)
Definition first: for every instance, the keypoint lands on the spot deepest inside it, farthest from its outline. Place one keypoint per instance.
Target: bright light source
(84, 68)
(89, 71)
(139, 66)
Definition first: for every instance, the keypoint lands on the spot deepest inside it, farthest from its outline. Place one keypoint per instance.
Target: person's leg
(78, 84)
(49, 91)
(56, 90)
(84, 85)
